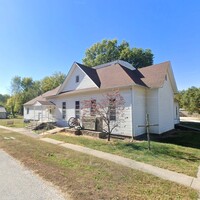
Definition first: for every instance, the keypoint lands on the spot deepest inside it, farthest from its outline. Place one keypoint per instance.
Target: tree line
(24, 89)
(189, 99)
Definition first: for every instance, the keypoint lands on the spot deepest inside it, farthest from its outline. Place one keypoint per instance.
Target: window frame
(77, 109)
(77, 79)
(93, 107)
(112, 107)
(64, 110)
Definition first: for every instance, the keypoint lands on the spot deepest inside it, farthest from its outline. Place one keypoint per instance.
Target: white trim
(121, 62)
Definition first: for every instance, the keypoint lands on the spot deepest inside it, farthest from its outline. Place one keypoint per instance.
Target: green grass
(163, 154)
(17, 123)
(87, 177)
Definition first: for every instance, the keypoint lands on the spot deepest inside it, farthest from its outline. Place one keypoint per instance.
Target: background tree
(190, 99)
(109, 50)
(3, 99)
(110, 108)
(25, 89)
(51, 82)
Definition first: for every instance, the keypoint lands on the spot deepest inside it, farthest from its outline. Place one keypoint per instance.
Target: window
(112, 108)
(77, 79)
(27, 111)
(63, 110)
(77, 109)
(50, 111)
(166, 77)
(93, 107)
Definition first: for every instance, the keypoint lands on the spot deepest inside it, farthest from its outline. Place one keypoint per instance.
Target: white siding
(125, 127)
(40, 113)
(166, 107)
(152, 109)
(84, 81)
(139, 110)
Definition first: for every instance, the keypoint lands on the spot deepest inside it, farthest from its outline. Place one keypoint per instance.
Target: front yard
(179, 153)
(87, 177)
(17, 123)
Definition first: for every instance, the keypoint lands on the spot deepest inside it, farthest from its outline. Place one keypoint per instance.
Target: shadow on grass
(158, 150)
(184, 138)
(191, 124)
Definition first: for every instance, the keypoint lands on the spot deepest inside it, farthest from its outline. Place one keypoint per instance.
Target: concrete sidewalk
(23, 131)
(156, 171)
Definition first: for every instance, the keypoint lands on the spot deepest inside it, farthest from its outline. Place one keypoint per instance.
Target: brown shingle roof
(154, 75)
(116, 74)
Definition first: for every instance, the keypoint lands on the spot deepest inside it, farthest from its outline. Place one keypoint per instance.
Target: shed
(3, 113)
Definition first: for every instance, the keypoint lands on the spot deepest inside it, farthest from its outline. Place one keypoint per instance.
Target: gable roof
(116, 74)
(120, 73)
(91, 72)
(2, 109)
(153, 76)
(42, 98)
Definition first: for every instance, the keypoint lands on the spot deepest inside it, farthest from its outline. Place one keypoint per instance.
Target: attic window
(77, 79)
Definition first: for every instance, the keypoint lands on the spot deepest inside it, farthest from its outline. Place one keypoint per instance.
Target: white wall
(125, 127)
(84, 81)
(41, 113)
(166, 107)
(139, 110)
(152, 109)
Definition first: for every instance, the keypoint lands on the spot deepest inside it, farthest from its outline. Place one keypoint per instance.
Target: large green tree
(190, 99)
(51, 82)
(109, 50)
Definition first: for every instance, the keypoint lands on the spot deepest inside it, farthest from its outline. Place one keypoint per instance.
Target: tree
(109, 50)
(190, 99)
(3, 99)
(110, 108)
(51, 82)
(10, 105)
(15, 85)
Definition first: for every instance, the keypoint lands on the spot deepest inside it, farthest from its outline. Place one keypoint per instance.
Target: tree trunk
(108, 136)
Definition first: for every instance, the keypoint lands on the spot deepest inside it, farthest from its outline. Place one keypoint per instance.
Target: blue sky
(40, 37)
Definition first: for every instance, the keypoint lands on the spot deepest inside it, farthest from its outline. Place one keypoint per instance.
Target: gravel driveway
(18, 183)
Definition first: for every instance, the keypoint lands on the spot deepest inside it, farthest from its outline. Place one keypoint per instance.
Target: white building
(146, 90)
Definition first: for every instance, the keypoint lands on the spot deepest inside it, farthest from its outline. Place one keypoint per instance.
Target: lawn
(165, 154)
(87, 177)
(17, 123)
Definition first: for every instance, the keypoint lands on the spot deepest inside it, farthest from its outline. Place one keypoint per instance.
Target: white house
(3, 113)
(146, 90)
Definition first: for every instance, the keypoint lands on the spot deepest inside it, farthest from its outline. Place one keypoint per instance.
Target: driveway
(18, 183)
